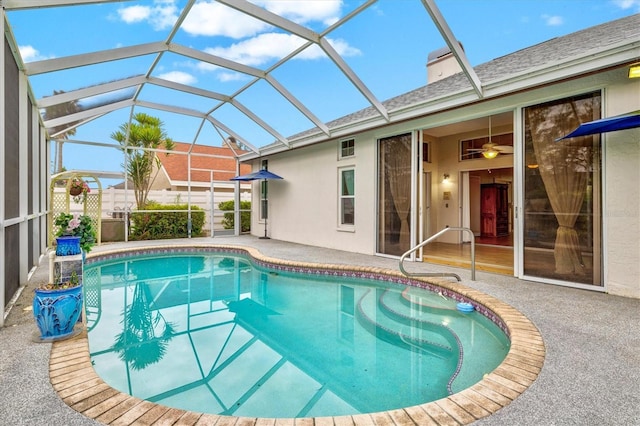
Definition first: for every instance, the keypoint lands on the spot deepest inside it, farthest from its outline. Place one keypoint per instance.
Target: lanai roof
(558, 58)
(611, 43)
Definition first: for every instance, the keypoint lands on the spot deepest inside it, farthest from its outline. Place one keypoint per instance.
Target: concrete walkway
(591, 374)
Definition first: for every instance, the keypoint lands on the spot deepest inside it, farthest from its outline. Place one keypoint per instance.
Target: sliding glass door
(562, 192)
(394, 194)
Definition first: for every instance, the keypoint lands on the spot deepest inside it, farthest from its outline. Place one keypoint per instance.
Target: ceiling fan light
(490, 154)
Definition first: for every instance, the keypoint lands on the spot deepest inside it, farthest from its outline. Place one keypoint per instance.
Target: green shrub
(228, 219)
(161, 225)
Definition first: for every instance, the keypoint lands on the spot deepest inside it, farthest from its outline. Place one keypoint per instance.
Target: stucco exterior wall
(622, 195)
(303, 207)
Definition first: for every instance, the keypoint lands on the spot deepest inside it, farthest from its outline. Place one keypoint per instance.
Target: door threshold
(466, 264)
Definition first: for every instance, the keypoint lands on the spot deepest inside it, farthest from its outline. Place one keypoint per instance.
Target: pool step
(392, 321)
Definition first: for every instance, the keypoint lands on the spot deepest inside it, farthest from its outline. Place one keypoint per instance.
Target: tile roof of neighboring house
(176, 165)
(558, 49)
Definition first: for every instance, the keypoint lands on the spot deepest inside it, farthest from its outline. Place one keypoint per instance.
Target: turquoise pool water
(215, 333)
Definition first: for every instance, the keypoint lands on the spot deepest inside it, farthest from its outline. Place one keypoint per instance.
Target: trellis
(61, 200)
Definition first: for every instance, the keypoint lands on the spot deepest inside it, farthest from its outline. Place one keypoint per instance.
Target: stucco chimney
(232, 143)
(441, 63)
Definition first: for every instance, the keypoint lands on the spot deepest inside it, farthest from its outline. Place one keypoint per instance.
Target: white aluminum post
(189, 195)
(23, 176)
(237, 227)
(212, 203)
(125, 152)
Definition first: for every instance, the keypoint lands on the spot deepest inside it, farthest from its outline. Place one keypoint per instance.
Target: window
(347, 148)
(426, 152)
(264, 206)
(347, 196)
(470, 149)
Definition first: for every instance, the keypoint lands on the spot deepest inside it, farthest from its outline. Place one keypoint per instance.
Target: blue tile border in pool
(327, 270)
(79, 386)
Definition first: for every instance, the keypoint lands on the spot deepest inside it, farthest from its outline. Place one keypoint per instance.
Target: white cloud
(31, 54)
(133, 14)
(327, 11)
(553, 20)
(206, 67)
(343, 48)
(163, 14)
(178, 77)
(215, 19)
(210, 18)
(627, 4)
(260, 49)
(267, 47)
(340, 45)
(231, 76)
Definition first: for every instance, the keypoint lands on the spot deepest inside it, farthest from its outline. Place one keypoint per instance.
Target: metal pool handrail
(441, 274)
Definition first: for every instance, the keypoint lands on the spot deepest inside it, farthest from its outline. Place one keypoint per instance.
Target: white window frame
(264, 194)
(341, 148)
(341, 197)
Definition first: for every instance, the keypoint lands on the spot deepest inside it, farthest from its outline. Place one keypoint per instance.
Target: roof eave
(588, 62)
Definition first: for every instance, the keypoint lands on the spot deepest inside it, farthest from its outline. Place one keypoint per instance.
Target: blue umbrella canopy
(604, 125)
(260, 174)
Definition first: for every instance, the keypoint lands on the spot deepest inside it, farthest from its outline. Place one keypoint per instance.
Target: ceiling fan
(491, 150)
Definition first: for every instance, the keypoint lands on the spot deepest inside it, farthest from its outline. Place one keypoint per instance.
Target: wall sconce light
(634, 70)
(445, 178)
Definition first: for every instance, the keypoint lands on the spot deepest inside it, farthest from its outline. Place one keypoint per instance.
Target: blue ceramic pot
(57, 311)
(67, 246)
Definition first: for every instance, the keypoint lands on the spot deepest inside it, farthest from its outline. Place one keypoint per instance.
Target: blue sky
(386, 45)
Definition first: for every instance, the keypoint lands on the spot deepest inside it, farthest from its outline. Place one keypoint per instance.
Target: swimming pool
(348, 350)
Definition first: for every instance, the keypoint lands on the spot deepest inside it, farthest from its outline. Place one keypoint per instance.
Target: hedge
(228, 221)
(163, 225)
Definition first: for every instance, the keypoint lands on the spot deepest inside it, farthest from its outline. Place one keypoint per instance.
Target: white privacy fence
(115, 204)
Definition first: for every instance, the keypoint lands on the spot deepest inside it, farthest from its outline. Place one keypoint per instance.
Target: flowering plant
(76, 226)
(80, 188)
(59, 283)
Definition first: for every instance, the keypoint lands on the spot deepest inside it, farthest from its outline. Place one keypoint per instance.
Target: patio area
(591, 373)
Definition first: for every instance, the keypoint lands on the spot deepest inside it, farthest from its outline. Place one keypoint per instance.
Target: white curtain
(564, 167)
(398, 167)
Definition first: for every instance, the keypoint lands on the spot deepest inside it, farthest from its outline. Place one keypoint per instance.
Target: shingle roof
(224, 168)
(549, 52)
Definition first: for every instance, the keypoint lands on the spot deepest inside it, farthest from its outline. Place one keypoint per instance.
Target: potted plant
(78, 189)
(57, 306)
(73, 233)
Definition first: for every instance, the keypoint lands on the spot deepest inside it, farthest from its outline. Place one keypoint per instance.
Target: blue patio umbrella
(259, 175)
(604, 125)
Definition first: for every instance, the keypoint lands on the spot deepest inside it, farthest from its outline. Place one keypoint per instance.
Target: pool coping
(79, 386)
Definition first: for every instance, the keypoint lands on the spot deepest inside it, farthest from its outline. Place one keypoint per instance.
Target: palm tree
(138, 139)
